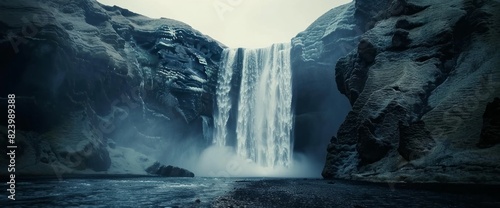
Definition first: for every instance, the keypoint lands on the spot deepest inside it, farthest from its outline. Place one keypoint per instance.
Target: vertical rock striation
(419, 82)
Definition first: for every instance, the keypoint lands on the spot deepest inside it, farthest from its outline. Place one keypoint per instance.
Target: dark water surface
(242, 192)
(118, 192)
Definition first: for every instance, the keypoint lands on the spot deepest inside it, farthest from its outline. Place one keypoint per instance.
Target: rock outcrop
(85, 75)
(419, 82)
(168, 171)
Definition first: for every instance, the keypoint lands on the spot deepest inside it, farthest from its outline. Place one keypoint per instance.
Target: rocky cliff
(318, 105)
(92, 81)
(423, 84)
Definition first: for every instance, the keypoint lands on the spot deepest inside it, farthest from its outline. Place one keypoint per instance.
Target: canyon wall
(319, 108)
(423, 84)
(92, 81)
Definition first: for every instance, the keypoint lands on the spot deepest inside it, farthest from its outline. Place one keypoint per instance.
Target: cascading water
(264, 120)
(223, 99)
(264, 109)
(206, 128)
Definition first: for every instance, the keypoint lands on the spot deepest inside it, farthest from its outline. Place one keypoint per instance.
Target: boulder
(168, 171)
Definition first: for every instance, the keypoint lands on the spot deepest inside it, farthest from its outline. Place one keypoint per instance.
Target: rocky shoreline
(343, 193)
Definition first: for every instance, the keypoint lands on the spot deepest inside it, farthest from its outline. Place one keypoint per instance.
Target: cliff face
(316, 100)
(83, 72)
(419, 83)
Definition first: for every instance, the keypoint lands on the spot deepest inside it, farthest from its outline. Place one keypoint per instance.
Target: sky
(237, 23)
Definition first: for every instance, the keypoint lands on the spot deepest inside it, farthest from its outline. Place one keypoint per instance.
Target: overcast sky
(237, 23)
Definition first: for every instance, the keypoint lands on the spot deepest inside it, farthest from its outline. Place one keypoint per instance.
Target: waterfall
(223, 99)
(206, 128)
(264, 120)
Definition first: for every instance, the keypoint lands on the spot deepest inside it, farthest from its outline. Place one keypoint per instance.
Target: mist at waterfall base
(219, 161)
(223, 161)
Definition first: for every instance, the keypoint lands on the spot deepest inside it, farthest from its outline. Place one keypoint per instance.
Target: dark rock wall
(490, 132)
(85, 74)
(419, 82)
(319, 108)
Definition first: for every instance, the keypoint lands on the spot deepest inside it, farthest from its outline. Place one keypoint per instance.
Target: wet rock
(168, 171)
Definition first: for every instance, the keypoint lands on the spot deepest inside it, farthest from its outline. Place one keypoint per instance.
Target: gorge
(389, 91)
